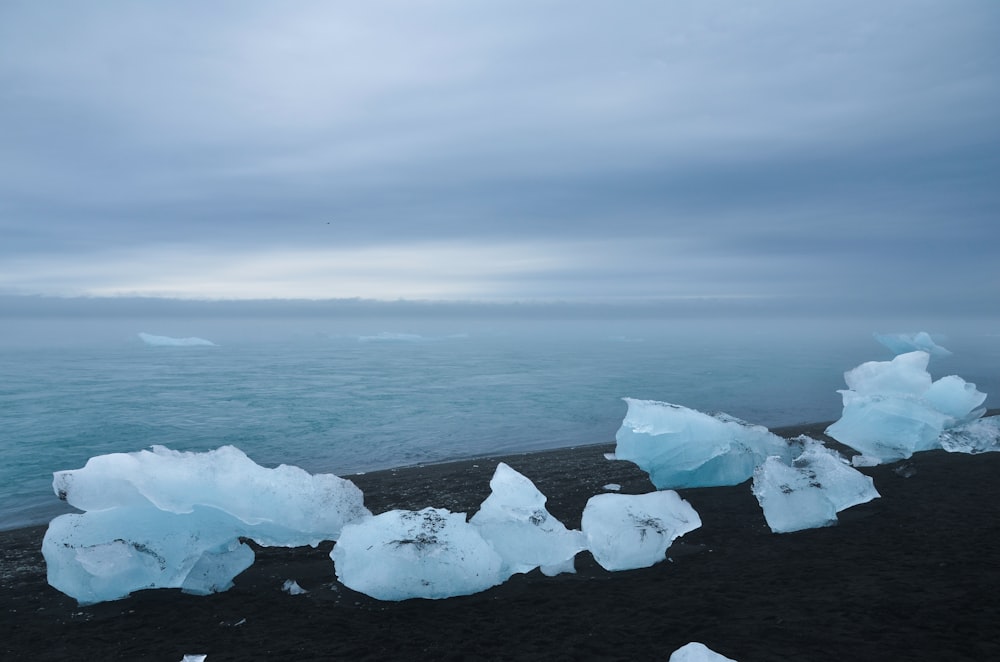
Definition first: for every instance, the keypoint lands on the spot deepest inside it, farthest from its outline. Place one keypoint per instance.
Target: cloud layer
(542, 150)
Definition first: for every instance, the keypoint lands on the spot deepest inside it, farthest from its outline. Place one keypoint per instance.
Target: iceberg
(809, 492)
(903, 343)
(627, 531)
(697, 652)
(892, 409)
(167, 341)
(170, 519)
(430, 553)
(513, 519)
(681, 447)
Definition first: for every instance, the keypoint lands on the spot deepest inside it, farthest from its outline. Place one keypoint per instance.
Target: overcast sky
(778, 151)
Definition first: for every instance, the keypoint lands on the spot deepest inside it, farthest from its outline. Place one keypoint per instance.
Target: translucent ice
(167, 519)
(809, 492)
(167, 341)
(107, 554)
(681, 447)
(626, 531)
(430, 553)
(284, 506)
(697, 652)
(980, 436)
(902, 343)
(892, 409)
(513, 519)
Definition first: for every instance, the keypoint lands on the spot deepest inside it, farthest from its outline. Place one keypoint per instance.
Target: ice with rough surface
(169, 519)
(697, 652)
(681, 447)
(167, 341)
(903, 343)
(513, 519)
(430, 553)
(285, 506)
(626, 531)
(108, 554)
(893, 409)
(809, 492)
(979, 436)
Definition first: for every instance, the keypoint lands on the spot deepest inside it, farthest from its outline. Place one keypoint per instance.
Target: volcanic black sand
(914, 575)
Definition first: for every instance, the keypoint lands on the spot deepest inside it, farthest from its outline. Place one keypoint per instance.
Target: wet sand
(914, 575)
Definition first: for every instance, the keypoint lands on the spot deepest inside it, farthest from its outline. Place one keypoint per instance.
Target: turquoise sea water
(384, 394)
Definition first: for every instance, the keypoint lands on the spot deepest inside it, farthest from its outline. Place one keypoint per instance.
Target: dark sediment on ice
(912, 575)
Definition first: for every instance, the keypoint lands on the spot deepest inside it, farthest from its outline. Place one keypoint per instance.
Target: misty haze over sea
(360, 386)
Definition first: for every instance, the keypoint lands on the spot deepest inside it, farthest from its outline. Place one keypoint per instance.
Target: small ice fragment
(610, 456)
(864, 461)
(291, 587)
(905, 471)
(980, 436)
(697, 652)
(194, 658)
(613, 487)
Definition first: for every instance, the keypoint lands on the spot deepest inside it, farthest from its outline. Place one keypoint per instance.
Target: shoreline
(910, 575)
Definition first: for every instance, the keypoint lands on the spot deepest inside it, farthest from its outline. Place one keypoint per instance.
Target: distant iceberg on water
(167, 341)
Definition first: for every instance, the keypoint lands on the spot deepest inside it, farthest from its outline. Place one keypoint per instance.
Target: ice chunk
(887, 428)
(955, 397)
(626, 531)
(613, 487)
(166, 519)
(430, 553)
(291, 587)
(513, 519)
(906, 374)
(167, 341)
(108, 554)
(194, 658)
(284, 506)
(697, 652)
(981, 436)
(811, 491)
(681, 447)
(902, 343)
(892, 409)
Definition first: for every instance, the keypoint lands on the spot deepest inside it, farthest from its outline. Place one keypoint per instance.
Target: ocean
(361, 395)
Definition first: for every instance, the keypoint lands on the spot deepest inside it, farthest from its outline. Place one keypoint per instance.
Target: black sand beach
(914, 575)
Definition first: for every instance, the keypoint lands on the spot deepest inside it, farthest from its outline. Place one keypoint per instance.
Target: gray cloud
(659, 149)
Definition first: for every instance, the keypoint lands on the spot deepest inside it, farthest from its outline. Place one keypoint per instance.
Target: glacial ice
(170, 519)
(513, 519)
(697, 652)
(681, 447)
(809, 492)
(167, 341)
(903, 343)
(627, 531)
(108, 554)
(285, 506)
(401, 554)
(892, 409)
(979, 436)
